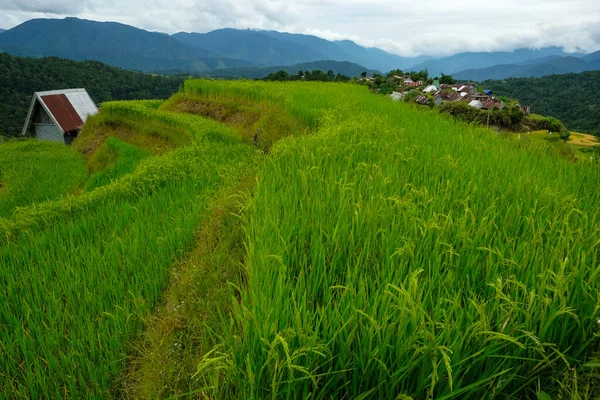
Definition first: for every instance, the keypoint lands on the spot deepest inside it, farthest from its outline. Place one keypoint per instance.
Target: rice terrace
(296, 240)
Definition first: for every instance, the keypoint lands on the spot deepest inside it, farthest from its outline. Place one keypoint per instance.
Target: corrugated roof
(82, 103)
(63, 112)
(488, 105)
(68, 108)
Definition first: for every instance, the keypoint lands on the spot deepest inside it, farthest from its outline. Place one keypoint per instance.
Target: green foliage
(21, 77)
(315, 75)
(33, 172)
(572, 98)
(398, 252)
(447, 79)
(536, 122)
(509, 116)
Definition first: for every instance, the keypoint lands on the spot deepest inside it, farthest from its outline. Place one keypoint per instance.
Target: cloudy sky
(409, 28)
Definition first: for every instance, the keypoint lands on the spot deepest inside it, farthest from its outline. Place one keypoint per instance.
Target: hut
(58, 115)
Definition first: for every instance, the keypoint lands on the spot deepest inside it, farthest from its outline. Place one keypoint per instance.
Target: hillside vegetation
(20, 77)
(572, 98)
(373, 249)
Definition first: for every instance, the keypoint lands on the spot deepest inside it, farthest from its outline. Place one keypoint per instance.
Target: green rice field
(380, 251)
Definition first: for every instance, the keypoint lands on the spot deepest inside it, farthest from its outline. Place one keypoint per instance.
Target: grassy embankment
(400, 253)
(80, 274)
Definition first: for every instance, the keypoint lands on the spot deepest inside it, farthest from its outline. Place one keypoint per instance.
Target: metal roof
(67, 108)
(63, 111)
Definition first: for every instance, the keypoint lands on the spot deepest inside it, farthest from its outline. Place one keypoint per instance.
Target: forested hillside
(338, 67)
(572, 98)
(20, 77)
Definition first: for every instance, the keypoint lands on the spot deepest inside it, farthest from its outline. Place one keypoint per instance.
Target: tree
(363, 74)
(447, 79)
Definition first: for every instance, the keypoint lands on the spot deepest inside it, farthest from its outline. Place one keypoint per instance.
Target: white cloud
(434, 27)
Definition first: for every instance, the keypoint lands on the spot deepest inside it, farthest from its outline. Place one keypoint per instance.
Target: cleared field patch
(33, 172)
(583, 139)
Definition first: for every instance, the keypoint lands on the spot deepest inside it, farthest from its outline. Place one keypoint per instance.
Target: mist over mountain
(466, 61)
(533, 68)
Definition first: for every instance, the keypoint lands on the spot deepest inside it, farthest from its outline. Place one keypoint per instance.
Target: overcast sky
(434, 27)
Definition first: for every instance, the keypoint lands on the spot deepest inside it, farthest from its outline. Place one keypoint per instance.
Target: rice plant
(399, 253)
(390, 252)
(80, 274)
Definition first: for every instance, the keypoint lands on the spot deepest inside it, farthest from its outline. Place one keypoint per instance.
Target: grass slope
(398, 253)
(79, 274)
(33, 172)
(390, 253)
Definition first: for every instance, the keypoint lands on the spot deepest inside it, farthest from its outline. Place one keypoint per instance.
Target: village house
(58, 115)
(429, 89)
(480, 96)
(423, 100)
(489, 105)
(451, 96)
(413, 84)
(396, 96)
(476, 104)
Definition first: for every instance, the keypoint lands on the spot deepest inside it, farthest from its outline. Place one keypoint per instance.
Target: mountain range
(248, 53)
(112, 43)
(554, 66)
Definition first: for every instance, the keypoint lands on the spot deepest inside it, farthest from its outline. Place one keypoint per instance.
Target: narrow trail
(207, 279)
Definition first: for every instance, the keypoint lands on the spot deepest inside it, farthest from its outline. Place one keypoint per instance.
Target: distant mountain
(592, 57)
(341, 67)
(533, 68)
(2, 30)
(541, 60)
(347, 50)
(375, 56)
(253, 46)
(112, 43)
(273, 48)
(470, 61)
